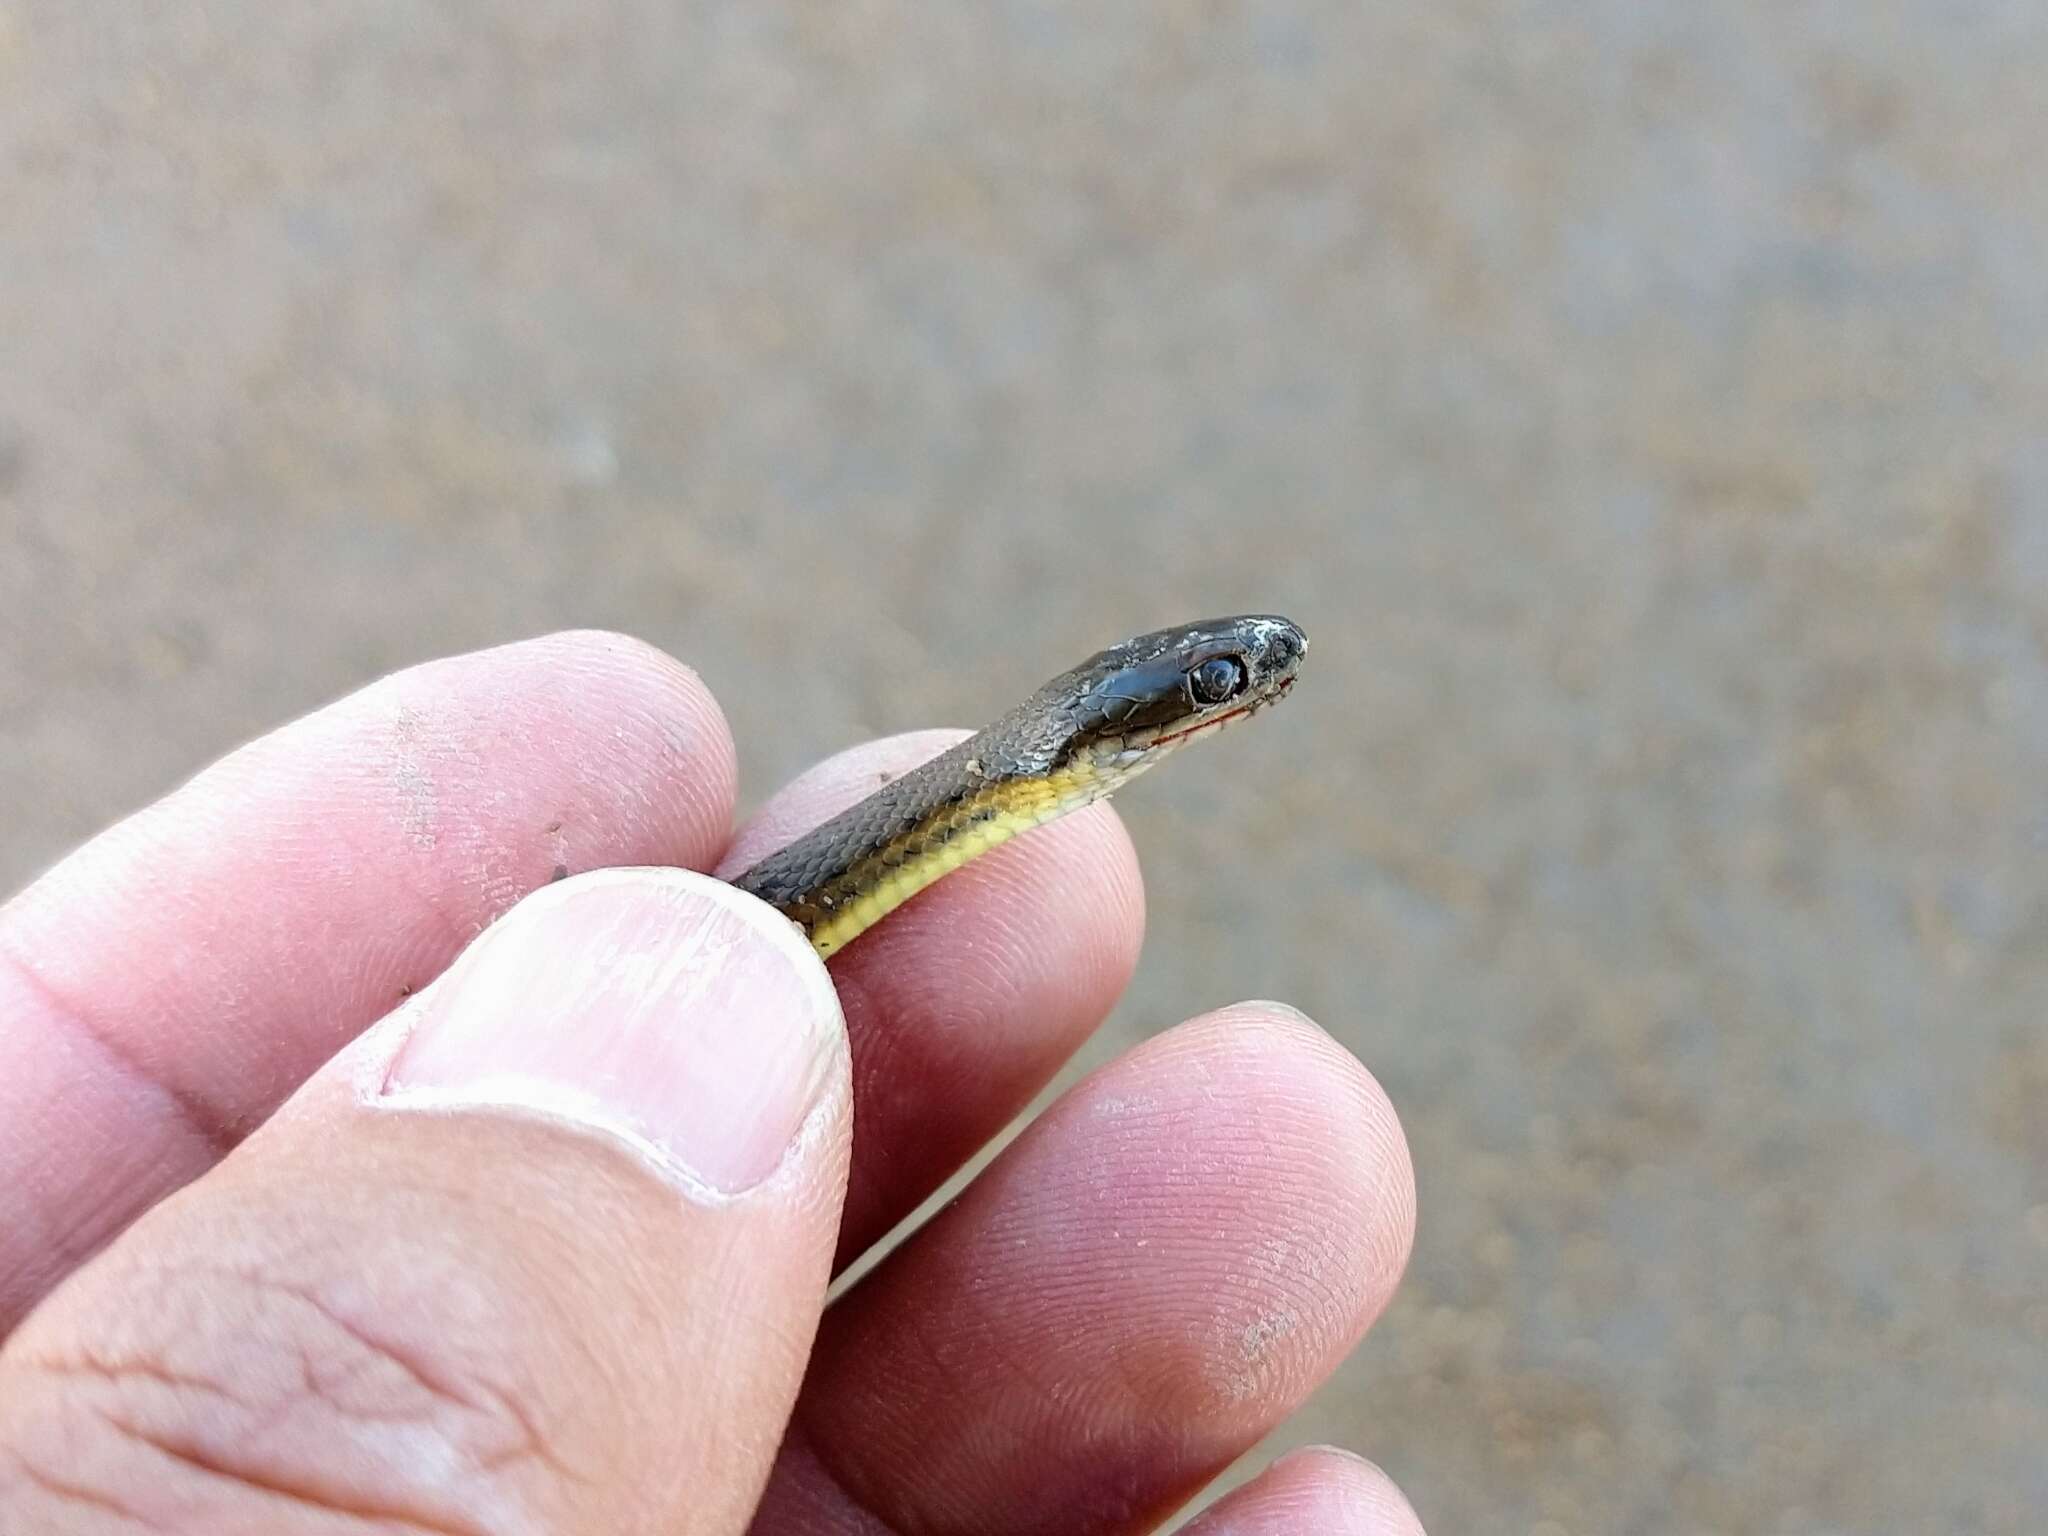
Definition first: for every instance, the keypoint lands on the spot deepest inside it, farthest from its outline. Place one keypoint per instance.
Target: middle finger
(1143, 1285)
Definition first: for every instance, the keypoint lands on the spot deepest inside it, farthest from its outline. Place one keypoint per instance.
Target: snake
(1076, 740)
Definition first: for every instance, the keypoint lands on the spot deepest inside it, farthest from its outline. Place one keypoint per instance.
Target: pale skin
(307, 1227)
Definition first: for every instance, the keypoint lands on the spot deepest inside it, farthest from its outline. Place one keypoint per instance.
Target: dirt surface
(1641, 405)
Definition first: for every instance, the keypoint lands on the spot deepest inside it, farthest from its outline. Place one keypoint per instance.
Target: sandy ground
(1641, 403)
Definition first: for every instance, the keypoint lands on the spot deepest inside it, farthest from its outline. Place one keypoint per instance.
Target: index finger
(168, 985)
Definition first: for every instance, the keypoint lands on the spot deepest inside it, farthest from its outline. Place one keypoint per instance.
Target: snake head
(1132, 703)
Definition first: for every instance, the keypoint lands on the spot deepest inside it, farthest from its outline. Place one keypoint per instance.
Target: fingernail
(660, 1006)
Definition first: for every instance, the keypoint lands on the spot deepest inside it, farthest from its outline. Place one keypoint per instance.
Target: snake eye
(1217, 679)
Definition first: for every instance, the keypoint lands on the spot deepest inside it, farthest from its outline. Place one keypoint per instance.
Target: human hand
(307, 1225)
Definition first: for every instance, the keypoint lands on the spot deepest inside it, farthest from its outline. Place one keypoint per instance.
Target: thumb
(545, 1251)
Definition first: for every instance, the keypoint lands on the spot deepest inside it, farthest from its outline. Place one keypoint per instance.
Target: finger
(547, 1253)
(1330, 1492)
(1158, 1271)
(967, 1000)
(163, 989)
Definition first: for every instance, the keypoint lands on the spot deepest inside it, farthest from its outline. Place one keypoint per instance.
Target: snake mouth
(1217, 722)
(1213, 723)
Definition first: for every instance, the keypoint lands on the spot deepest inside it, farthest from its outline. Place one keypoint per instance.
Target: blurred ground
(1642, 404)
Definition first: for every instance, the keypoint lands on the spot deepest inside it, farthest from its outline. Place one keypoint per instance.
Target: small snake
(1073, 742)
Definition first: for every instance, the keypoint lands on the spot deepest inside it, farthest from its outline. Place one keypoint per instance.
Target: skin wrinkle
(380, 1350)
(333, 1389)
(488, 1402)
(68, 1492)
(55, 1233)
(492, 1404)
(304, 1496)
(210, 1123)
(86, 1363)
